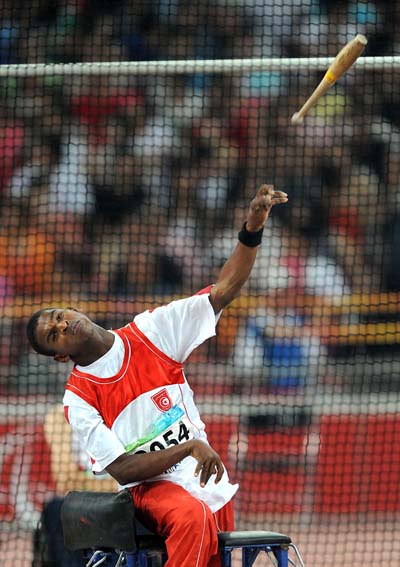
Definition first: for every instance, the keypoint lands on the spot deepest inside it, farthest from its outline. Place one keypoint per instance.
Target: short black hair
(31, 334)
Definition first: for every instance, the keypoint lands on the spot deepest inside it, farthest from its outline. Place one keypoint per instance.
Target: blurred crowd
(120, 185)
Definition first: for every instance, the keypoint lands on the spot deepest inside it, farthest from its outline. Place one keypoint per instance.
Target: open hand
(261, 206)
(208, 462)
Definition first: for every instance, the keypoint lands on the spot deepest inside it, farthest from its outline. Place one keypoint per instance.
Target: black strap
(250, 239)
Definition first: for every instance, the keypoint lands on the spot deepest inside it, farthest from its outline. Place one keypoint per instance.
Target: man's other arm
(135, 468)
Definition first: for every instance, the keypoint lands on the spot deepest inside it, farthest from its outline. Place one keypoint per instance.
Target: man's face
(63, 331)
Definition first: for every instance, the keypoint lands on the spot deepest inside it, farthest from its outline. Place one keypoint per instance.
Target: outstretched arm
(237, 268)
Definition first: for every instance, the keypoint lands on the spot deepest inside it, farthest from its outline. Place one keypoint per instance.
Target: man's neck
(97, 348)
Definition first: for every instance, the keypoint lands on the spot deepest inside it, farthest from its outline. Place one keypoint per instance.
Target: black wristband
(250, 239)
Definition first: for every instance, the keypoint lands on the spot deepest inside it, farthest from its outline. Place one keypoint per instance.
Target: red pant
(188, 525)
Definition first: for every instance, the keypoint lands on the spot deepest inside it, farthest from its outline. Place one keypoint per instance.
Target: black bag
(102, 520)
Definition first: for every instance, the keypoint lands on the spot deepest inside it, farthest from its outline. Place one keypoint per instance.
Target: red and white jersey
(136, 399)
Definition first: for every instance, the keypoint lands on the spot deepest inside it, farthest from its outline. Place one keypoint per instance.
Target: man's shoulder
(174, 303)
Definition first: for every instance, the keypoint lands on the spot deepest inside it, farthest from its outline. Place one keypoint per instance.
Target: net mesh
(121, 191)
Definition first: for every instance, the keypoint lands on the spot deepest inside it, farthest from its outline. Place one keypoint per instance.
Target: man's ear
(62, 358)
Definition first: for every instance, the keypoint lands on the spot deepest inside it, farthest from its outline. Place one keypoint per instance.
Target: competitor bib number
(173, 436)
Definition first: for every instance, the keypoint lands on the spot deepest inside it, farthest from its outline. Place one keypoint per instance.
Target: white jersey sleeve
(181, 326)
(101, 444)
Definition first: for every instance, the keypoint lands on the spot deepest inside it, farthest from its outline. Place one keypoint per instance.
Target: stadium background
(121, 191)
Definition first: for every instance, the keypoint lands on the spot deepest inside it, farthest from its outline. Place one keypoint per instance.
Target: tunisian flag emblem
(162, 400)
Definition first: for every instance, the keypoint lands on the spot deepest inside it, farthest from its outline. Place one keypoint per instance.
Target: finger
(279, 197)
(220, 472)
(279, 194)
(266, 189)
(269, 196)
(206, 472)
(278, 200)
(198, 468)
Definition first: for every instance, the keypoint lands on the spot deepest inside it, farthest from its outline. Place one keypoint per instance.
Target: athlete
(129, 403)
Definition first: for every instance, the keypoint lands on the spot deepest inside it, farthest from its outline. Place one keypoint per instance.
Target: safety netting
(133, 136)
